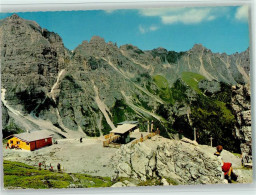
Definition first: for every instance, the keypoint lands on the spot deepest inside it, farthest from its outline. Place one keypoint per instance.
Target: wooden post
(152, 126)
(148, 127)
(211, 140)
(195, 134)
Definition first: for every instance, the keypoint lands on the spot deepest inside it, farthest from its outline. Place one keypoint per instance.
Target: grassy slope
(20, 175)
(164, 89)
(192, 79)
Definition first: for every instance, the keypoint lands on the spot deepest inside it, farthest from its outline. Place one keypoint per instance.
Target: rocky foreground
(181, 162)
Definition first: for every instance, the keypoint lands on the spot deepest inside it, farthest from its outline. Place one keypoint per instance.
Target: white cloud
(144, 29)
(153, 28)
(185, 15)
(242, 13)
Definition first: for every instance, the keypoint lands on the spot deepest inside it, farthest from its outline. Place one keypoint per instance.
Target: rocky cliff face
(182, 162)
(241, 106)
(31, 58)
(89, 90)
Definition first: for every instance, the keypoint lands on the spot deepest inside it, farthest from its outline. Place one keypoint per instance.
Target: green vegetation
(237, 154)
(170, 56)
(192, 79)
(120, 111)
(10, 129)
(157, 182)
(210, 113)
(150, 182)
(179, 92)
(212, 118)
(106, 128)
(136, 50)
(165, 92)
(20, 175)
(172, 181)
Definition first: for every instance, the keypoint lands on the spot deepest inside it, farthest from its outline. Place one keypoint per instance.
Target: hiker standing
(39, 165)
(58, 167)
(81, 140)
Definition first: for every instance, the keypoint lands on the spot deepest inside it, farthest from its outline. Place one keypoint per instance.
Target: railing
(110, 138)
(142, 139)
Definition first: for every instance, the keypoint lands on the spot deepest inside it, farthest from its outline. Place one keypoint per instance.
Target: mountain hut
(30, 141)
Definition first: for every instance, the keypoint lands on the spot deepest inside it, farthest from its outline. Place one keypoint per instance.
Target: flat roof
(34, 135)
(128, 122)
(123, 128)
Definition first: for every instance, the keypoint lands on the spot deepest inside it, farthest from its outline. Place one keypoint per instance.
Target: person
(39, 165)
(226, 166)
(58, 167)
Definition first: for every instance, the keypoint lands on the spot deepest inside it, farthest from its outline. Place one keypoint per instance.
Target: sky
(221, 29)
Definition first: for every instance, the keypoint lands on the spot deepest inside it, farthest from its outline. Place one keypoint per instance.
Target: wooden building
(30, 141)
(124, 131)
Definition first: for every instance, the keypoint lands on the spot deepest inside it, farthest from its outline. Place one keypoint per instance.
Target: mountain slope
(88, 91)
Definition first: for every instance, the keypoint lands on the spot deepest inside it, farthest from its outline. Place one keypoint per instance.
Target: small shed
(31, 141)
(124, 132)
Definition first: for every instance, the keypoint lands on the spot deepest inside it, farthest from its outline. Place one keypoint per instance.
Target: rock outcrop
(182, 162)
(241, 106)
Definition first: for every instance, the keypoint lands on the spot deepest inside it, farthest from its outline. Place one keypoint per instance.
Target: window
(27, 143)
(45, 140)
(18, 142)
(11, 141)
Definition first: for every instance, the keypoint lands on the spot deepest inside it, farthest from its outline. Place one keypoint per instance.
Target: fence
(149, 136)
(110, 138)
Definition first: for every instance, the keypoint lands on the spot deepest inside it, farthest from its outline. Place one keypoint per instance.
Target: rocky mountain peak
(160, 50)
(97, 39)
(14, 17)
(197, 47)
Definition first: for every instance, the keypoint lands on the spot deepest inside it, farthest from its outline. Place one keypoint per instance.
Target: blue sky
(221, 29)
